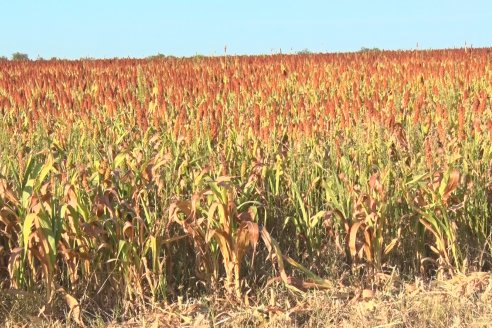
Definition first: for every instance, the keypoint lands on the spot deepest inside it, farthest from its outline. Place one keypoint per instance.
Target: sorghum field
(251, 182)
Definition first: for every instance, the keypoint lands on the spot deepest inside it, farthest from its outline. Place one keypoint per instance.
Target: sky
(107, 28)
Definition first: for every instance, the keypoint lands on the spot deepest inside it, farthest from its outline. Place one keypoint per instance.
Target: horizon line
(305, 51)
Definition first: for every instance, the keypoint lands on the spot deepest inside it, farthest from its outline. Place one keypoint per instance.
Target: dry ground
(464, 301)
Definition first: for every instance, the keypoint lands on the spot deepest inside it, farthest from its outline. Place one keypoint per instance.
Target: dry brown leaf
(390, 246)
(353, 238)
(74, 306)
(128, 230)
(454, 179)
(367, 294)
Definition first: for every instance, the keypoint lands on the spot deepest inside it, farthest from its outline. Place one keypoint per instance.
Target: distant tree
(158, 56)
(198, 58)
(19, 56)
(305, 51)
(3, 58)
(364, 49)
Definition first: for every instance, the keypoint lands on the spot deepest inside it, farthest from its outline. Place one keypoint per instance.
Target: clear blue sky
(106, 28)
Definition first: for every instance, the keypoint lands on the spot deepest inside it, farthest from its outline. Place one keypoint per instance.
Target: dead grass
(464, 301)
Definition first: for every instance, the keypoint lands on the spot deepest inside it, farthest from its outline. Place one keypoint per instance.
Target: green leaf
(27, 192)
(315, 219)
(26, 229)
(122, 250)
(45, 221)
(416, 179)
(119, 159)
(45, 169)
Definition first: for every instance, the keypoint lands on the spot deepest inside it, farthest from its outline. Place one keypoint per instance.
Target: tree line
(16, 56)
